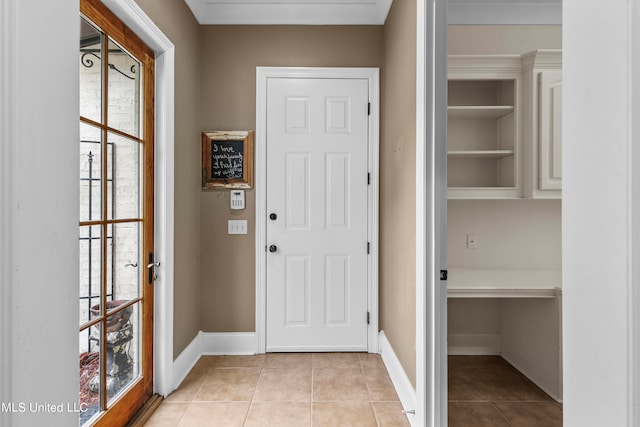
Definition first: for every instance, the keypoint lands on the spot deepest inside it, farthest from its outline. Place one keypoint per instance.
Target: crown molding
(484, 63)
(546, 58)
(290, 12)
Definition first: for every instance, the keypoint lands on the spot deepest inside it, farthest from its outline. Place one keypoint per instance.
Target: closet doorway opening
(504, 220)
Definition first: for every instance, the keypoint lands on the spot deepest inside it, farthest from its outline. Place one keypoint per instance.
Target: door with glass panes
(117, 268)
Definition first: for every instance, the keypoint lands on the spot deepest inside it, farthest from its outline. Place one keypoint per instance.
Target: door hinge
(444, 274)
(369, 109)
(368, 178)
(368, 248)
(368, 318)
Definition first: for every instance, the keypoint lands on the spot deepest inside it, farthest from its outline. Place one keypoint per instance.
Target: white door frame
(134, 17)
(431, 217)
(262, 76)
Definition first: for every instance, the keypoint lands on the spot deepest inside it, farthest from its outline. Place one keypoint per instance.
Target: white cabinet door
(550, 133)
(317, 263)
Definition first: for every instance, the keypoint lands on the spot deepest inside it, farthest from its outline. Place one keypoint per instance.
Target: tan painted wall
(176, 21)
(230, 55)
(397, 184)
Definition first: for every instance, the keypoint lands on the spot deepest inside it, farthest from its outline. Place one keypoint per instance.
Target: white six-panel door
(317, 217)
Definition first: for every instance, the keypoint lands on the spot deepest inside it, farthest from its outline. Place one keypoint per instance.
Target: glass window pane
(123, 104)
(124, 170)
(90, 71)
(124, 261)
(89, 401)
(123, 355)
(90, 173)
(90, 272)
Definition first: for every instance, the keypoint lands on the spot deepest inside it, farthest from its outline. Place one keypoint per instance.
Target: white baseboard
(551, 391)
(183, 364)
(219, 343)
(404, 388)
(211, 343)
(473, 344)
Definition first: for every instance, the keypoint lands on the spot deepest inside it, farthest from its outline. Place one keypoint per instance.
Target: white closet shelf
(479, 111)
(485, 283)
(479, 154)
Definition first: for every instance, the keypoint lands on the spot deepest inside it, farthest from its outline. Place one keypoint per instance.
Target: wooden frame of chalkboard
(227, 159)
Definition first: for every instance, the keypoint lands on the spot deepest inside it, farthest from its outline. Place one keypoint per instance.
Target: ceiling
(367, 12)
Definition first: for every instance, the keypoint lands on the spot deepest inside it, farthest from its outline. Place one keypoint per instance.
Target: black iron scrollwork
(88, 63)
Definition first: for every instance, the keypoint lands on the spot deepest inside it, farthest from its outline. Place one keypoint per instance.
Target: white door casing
(136, 19)
(431, 214)
(316, 146)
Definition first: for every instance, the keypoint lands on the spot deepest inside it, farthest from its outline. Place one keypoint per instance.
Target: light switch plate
(237, 226)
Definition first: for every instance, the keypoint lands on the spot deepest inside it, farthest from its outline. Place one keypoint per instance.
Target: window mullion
(105, 225)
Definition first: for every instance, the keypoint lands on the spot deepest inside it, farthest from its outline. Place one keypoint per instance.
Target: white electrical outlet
(472, 241)
(237, 226)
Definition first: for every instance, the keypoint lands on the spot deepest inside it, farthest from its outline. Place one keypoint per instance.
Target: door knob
(273, 217)
(273, 248)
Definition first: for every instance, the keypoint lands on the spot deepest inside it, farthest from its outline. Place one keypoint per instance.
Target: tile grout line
(253, 395)
(192, 401)
(181, 416)
(364, 377)
(201, 383)
(312, 389)
(501, 414)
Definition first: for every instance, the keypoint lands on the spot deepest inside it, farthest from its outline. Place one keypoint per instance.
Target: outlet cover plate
(472, 241)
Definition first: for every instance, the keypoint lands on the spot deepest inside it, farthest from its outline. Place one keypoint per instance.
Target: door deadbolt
(273, 248)
(273, 217)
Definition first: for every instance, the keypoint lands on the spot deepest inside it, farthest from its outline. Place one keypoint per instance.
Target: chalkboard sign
(227, 159)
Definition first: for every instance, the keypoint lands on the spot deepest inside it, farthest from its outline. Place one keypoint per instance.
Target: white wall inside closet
(512, 234)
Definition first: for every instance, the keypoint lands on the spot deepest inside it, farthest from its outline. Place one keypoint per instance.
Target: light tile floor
(284, 389)
(486, 391)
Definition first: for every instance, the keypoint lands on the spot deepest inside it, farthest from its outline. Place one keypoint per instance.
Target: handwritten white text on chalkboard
(227, 159)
